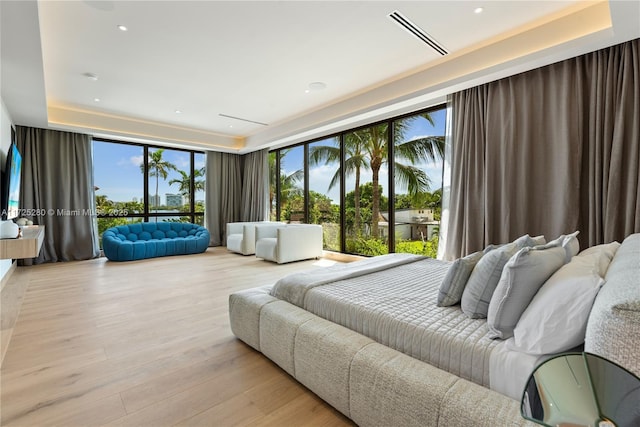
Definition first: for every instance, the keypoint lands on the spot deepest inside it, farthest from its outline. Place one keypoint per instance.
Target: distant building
(154, 200)
(173, 199)
(410, 224)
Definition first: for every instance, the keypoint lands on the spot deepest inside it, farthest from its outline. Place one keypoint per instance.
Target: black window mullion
(278, 185)
(392, 190)
(145, 157)
(192, 188)
(307, 199)
(343, 217)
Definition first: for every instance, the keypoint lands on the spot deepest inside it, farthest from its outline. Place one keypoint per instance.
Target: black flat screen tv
(11, 184)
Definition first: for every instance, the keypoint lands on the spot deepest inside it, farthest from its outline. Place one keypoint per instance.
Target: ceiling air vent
(418, 32)
(243, 120)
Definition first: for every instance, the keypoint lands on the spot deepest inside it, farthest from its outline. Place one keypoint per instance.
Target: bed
(391, 299)
(368, 338)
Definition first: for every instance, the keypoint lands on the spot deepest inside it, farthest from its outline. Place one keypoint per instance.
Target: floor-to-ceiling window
(418, 150)
(374, 189)
(136, 182)
(291, 188)
(199, 160)
(324, 190)
(367, 192)
(274, 174)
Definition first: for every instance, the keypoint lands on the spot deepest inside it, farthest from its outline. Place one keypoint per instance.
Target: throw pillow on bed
(522, 276)
(608, 249)
(486, 275)
(454, 282)
(556, 319)
(569, 242)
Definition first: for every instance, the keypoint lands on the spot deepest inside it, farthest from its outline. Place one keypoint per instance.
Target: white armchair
(290, 242)
(241, 236)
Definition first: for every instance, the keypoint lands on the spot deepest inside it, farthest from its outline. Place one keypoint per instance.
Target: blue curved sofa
(153, 239)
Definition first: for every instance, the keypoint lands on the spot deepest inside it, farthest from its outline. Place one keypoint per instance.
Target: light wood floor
(143, 343)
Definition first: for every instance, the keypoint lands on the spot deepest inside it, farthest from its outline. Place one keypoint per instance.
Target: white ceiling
(255, 59)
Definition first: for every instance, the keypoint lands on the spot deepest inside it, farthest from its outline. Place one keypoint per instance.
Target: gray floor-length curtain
(465, 229)
(57, 182)
(222, 195)
(549, 151)
(255, 186)
(611, 160)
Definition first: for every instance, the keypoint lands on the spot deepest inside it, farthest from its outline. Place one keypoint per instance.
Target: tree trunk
(156, 198)
(375, 208)
(356, 203)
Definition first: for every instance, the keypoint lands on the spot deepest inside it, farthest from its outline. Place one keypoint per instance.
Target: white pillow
(569, 242)
(608, 249)
(556, 319)
(538, 240)
(521, 278)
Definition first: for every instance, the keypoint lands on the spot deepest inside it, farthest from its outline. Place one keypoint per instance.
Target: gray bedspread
(392, 300)
(294, 287)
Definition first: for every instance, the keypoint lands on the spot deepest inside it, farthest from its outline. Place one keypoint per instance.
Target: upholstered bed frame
(375, 385)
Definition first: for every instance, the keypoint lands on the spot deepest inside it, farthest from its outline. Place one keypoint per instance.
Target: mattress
(396, 307)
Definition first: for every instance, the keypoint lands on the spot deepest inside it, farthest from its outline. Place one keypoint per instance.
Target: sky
(117, 171)
(320, 176)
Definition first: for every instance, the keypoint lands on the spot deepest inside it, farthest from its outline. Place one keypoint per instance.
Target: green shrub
(428, 248)
(373, 247)
(369, 247)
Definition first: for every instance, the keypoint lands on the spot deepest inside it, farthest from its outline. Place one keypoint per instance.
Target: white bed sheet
(509, 370)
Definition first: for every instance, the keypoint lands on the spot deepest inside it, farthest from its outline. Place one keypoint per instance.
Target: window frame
(146, 216)
(390, 122)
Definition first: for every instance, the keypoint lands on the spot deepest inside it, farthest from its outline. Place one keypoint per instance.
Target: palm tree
(158, 167)
(412, 152)
(355, 162)
(367, 149)
(184, 182)
(288, 183)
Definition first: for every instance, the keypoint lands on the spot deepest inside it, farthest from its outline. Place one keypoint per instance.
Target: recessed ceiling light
(91, 76)
(478, 10)
(96, 99)
(315, 87)
(122, 28)
(178, 111)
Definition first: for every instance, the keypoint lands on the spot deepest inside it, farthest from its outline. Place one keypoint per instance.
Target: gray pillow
(454, 282)
(486, 275)
(523, 275)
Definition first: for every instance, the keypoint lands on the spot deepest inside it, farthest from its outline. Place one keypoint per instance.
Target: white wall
(5, 142)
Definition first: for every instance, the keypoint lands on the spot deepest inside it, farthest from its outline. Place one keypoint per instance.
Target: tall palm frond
(414, 179)
(184, 183)
(421, 149)
(158, 167)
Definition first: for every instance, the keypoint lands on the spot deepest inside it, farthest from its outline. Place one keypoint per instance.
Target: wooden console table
(26, 246)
